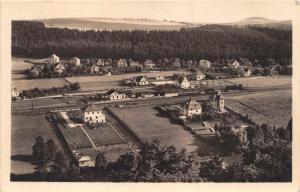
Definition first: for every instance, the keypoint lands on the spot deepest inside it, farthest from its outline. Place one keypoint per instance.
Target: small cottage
(114, 95)
(52, 59)
(182, 82)
(122, 63)
(140, 81)
(192, 107)
(205, 64)
(198, 75)
(75, 61)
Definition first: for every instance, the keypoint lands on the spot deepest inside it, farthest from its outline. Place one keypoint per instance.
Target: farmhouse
(93, 114)
(182, 82)
(244, 71)
(100, 63)
(205, 64)
(217, 101)
(75, 61)
(86, 161)
(234, 64)
(53, 59)
(192, 107)
(177, 63)
(122, 63)
(140, 81)
(59, 68)
(114, 95)
(94, 69)
(198, 75)
(149, 64)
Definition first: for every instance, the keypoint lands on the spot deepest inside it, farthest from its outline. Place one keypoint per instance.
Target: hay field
(39, 83)
(271, 107)
(280, 80)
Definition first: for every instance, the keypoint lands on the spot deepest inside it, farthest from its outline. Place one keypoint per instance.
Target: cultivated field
(98, 86)
(24, 130)
(272, 107)
(149, 125)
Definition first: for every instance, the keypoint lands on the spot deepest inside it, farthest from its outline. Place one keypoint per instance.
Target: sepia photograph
(151, 91)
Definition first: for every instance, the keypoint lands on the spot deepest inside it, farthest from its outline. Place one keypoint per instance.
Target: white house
(244, 71)
(198, 75)
(177, 63)
(94, 69)
(86, 161)
(59, 68)
(93, 114)
(204, 64)
(114, 95)
(192, 107)
(75, 61)
(100, 63)
(233, 64)
(182, 82)
(122, 63)
(140, 80)
(149, 64)
(53, 59)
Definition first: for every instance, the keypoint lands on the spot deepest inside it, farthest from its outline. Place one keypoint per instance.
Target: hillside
(263, 22)
(33, 39)
(111, 24)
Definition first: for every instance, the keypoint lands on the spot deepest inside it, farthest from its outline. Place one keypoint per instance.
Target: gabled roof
(52, 56)
(91, 108)
(193, 104)
(84, 158)
(111, 91)
(198, 72)
(139, 78)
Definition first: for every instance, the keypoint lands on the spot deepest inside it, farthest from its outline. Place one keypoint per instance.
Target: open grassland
(149, 125)
(272, 107)
(24, 130)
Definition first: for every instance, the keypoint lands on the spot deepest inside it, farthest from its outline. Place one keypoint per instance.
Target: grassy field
(24, 130)
(23, 84)
(148, 124)
(274, 108)
(98, 86)
(111, 24)
(86, 79)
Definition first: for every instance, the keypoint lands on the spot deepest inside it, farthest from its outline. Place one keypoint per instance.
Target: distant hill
(111, 24)
(261, 21)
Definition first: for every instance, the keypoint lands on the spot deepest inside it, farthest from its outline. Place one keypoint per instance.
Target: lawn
(75, 137)
(148, 124)
(104, 136)
(274, 108)
(24, 130)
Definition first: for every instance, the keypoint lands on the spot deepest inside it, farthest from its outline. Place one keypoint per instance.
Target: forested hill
(33, 39)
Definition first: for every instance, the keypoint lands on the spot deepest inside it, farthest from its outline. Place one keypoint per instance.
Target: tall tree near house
(51, 150)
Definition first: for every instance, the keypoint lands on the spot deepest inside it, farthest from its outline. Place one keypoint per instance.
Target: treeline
(32, 39)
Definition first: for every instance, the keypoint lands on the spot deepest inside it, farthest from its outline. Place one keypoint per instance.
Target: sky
(188, 11)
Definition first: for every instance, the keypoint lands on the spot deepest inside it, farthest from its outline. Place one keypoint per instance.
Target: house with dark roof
(192, 107)
(198, 75)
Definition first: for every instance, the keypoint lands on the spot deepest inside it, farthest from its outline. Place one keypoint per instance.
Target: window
(96, 117)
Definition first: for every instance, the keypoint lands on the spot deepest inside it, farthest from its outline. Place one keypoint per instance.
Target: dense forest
(33, 39)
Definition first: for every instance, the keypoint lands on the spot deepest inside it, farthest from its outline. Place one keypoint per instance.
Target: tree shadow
(24, 158)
